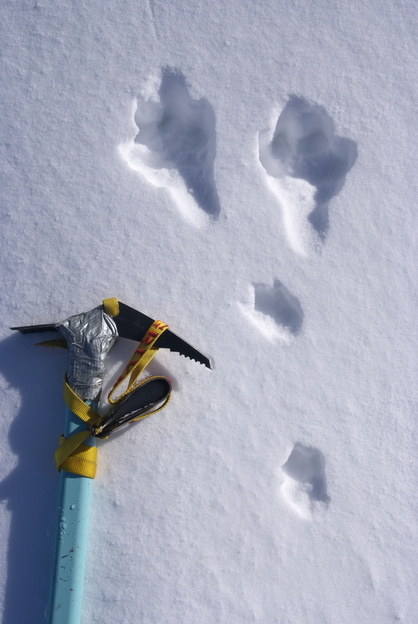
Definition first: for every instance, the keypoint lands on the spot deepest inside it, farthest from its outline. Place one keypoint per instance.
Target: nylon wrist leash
(73, 455)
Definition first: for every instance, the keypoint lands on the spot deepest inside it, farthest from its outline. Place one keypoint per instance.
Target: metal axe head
(132, 324)
(90, 336)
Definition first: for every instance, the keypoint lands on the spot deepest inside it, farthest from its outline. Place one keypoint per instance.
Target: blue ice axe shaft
(71, 539)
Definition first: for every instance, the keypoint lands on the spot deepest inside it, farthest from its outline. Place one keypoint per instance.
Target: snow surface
(247, 173)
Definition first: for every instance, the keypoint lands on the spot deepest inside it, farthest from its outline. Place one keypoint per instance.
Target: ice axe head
(90, 336)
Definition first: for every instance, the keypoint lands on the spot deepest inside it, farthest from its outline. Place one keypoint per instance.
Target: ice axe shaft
(72, 540)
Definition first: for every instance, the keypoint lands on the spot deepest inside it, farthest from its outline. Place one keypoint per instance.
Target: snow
(247, 173)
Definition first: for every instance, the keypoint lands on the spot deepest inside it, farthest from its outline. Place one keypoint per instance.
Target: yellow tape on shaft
(76, 457)
(73, 455)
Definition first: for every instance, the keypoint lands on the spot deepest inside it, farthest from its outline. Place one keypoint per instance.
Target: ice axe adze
(89, 337)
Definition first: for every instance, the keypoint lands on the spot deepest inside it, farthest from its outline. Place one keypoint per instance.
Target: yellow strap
(73, 455)
(81, 409)
(139, 360)
(111, 306)
(76, 457)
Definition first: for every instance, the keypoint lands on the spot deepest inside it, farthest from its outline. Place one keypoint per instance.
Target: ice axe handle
(71, 540)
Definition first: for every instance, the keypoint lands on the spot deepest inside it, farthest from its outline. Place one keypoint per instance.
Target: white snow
(245, 172)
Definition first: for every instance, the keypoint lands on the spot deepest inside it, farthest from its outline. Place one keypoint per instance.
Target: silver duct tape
(89, 336)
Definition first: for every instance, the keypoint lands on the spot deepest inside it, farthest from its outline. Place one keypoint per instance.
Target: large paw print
(175, 147)
(274, 311)
(306, 164)
(305, 485)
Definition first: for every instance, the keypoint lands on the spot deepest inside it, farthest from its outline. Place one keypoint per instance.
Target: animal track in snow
(175, 147)
(305, 484)
(306, 164)
(276, 313)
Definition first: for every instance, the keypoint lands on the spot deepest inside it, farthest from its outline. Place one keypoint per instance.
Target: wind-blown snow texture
(247, 173)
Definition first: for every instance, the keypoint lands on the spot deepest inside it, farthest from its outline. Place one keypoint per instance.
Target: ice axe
(89, 336)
